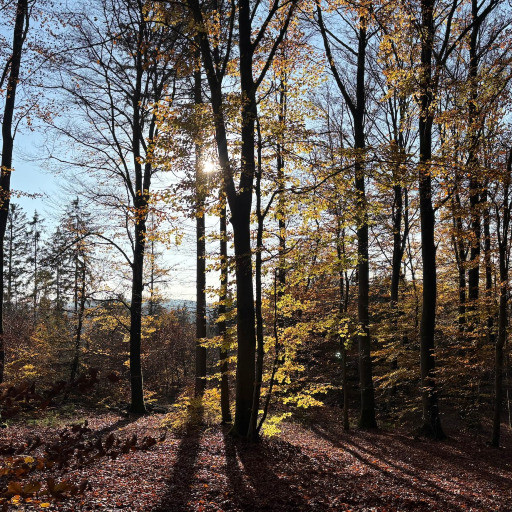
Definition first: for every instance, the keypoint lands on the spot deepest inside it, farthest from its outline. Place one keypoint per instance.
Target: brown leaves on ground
(312, 468)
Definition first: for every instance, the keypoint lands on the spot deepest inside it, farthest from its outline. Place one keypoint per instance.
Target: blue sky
(32, 176)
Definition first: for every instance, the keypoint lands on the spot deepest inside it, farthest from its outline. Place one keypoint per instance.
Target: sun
(209, 166)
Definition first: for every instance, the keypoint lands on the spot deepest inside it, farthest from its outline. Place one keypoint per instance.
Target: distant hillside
(189, 305)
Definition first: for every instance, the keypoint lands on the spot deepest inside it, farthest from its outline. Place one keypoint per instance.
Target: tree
(357, 104)
(15, 254)
(11, 72)
(121, 69)
(215, 59)
(35, 228)
(200, 212)
(503, 208)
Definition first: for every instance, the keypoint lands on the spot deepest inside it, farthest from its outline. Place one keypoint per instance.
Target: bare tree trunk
(223, 351)
(460, 257)
(342, 311)
(398, 247)
(253, 432)
(503, 224)
(79, 324)
(241, 220)
(499, 356)
(200, 381)
(142, 182)
(137, 405)
(240, 200)
(20, 28)
(367, 417)
(474, 184)
(430, 417)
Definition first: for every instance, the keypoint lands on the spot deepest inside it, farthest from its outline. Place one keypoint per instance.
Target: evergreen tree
(35, 227)
(15, 255)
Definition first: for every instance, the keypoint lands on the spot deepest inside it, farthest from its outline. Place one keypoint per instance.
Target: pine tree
(35, 227)
(15, 255)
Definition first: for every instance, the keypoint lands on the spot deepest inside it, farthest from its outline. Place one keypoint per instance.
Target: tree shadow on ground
(117, 425)
(276, 475)
(259, 478)
(435, 472)
(179, 486)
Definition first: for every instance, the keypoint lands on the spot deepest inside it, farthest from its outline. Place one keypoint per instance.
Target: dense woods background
(346, 166)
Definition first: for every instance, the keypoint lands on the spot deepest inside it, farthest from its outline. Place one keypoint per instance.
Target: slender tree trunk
(281, 199)
(239, 203)
(399, 215)
(253, 433)
(499, 352)
(430, 410)
(200, 381)
(503, 234)
(342, 311)
(223, 352)
(20, 27)
(79, 325)
(142, 182)
(367, 417)
(474, 184)
(9, 258)
(460, 257)
(36, 276)
(151, 309)
(488, 268)
(137, 390)
(241, 220)
(397, 245)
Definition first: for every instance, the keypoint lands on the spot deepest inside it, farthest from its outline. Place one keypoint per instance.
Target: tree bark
(398, 246)
(142, 184)
(79, 324)
(200, 381)
(223, 296)
(474, 184)
(253, 431)
(367, 417)
(431, 422)
(137, 405)
(20, 27)
(342, 305)
(503, 234)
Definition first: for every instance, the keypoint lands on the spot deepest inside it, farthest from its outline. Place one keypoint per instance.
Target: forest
(339, 173)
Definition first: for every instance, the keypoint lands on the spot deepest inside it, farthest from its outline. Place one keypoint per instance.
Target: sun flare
(209, 166)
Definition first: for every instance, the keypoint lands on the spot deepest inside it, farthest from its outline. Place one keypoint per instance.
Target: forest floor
(307, 467)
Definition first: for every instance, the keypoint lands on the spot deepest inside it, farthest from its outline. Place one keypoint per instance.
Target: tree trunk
(200, 381)
(342, 311)
(431, 422)
(9, 258)
(223, 351)
(79, 325)
(474, 184)
(253, 432)
(398, 247)
(488, 268)
(460, 257)
(367, 417)
(137, 391)
(502, 229)
(20, 26)
(241, 219)
(500, 344)
(239, 203)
